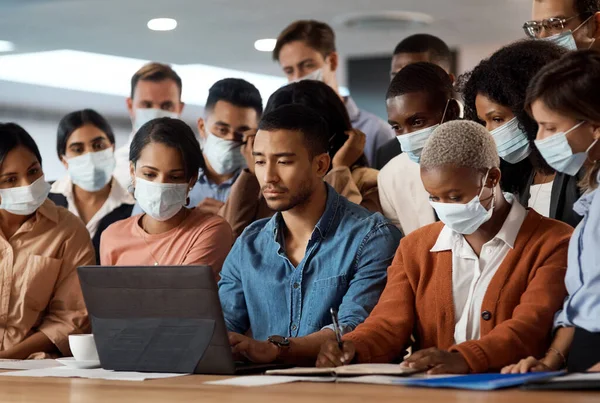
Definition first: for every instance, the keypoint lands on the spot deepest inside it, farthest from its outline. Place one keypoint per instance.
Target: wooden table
(192, 389)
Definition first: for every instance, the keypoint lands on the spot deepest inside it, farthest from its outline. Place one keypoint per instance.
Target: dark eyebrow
(177, 170)
(392, 123)
(310, 59)
(99, 138)
(490, 113)
(34, 163)
(150, 167)
(219, 123)
(278, 155)
(79, 143)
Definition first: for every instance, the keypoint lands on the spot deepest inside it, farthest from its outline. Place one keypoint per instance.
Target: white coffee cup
(83, 347)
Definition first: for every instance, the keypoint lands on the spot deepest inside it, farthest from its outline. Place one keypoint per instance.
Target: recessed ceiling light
(6, 46)
(162, 24)
(265, 45)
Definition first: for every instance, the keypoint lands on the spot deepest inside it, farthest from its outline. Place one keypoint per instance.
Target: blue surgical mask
(465, 219)
(558, 153)
(565, 40)
(413, 143)
(512, 143)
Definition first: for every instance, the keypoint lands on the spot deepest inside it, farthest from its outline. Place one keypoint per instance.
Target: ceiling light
(265, 45)
(6, 46)
(162, 24)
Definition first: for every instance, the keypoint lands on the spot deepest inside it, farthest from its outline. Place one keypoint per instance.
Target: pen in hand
(338, 332)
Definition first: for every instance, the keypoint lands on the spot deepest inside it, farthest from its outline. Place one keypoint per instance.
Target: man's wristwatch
(281, 342)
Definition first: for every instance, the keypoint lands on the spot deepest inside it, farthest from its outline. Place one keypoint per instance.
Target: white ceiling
(222, 32)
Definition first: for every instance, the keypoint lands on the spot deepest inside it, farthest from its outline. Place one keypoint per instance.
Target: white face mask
(25, 200)
(160, 201)
(512, 143)
(465, 218)
(92, 171)
(316, 75)
(144, 115)
(224, 156)
(413, 143)
(558, 153)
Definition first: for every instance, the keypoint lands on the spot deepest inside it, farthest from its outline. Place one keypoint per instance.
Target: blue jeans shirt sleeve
(375, 254)
(231, 292)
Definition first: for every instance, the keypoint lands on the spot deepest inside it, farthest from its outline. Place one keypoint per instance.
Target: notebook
(589, 381)
(347, 370)
(481, 381)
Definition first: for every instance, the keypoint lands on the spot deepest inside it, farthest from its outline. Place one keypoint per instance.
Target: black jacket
(565, 192)
(387, 152)
(120, 213)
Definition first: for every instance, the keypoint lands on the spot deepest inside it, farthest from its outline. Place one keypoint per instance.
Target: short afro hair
(460, 143)
(437, 49)
(504, 78)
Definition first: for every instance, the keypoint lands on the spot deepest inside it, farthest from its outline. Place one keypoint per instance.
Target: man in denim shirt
(319, 251)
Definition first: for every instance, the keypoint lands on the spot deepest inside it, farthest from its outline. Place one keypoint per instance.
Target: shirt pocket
(325, 293)
(41, 274)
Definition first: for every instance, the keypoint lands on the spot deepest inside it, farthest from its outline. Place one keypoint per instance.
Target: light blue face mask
(558, 153)
(565, 39)
(512, 143)
(413, 143)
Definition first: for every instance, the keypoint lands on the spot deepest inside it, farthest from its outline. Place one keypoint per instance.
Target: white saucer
(73, 363)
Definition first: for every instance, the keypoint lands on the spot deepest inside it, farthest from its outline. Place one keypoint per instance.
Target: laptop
(159, 319)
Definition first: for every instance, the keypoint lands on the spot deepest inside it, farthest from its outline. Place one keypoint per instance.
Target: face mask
(25, 200)
(92, 171)
(566, 40)
(144, 115)
(413, 143)
(465, 218)
(512, 143)
(224, 156)
(316, 75)
(160, 201)
(558, 153)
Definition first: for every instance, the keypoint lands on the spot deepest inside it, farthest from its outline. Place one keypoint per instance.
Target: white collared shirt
(472, 274)
(116, 198)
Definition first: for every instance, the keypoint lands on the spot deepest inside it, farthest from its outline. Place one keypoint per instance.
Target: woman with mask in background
(494, 94)
(41, 247)
(349, 174)
(418, 100)
(85, 144)
(564, 100)
(481, 287)
(165, 158)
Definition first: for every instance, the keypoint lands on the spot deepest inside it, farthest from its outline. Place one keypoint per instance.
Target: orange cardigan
(519, 304)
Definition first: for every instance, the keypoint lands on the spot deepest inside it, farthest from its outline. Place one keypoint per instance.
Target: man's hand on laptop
(260, 352)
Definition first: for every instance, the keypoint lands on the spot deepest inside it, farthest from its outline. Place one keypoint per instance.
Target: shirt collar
(507, 234)
(118, 195)
(352, 109)
(323, 225)
(48, 210)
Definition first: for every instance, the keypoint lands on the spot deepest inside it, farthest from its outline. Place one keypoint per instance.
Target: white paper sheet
(266, 380)
(64, 372)
(348, 370)
(28, 364)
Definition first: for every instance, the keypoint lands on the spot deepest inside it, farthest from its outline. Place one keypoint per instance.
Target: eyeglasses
(552, 26)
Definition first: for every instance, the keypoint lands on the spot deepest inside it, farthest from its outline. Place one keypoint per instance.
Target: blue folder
(480, 381)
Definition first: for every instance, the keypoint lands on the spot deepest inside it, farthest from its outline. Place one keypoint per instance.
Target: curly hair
(460, 143)
(586, 8)
(504, 78)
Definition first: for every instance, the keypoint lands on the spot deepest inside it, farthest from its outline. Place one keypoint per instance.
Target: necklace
(143, 232)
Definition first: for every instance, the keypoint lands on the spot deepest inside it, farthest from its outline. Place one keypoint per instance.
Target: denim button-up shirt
(345, 267)
(582, 306)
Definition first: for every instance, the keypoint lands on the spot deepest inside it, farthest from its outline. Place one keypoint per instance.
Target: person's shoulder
(120, 228)
(549, 227)
(397, 163)
(424, 237)
(360, 216)
(250, 234)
